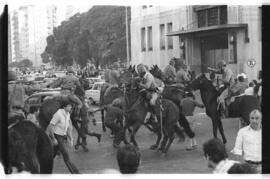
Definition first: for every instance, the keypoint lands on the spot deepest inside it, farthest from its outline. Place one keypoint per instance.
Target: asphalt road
(177, 161)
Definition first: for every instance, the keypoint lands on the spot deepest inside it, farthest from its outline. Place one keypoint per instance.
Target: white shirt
(224, 165)
(249, 144)
(249, 91)
(61, 121)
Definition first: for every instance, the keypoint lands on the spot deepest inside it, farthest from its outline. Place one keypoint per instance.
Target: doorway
(214, 48)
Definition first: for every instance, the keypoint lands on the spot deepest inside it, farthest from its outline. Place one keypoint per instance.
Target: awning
(207, 29)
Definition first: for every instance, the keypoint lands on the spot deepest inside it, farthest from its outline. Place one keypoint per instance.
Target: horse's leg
(80, 134)
(157, 130)
(134, 131)
(171, 138)
(214, 124)
(31, 162)
(221, 130)
(164, 141)
(102, 120)
(185, 124)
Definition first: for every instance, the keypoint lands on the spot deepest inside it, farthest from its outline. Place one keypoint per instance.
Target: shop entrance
(214, 48)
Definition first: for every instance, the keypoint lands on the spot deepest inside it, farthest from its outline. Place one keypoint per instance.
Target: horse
(113, 93)
(29, 148)
(209, 96)
(242, 106)
(175, 94)
(136, 110)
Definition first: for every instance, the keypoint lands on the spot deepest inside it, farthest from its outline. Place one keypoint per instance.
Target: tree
(98, 34)
(25, 63)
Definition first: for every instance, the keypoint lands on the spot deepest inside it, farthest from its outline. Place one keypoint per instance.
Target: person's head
(222, 65)
(251, 84)
(212, 76)
(240, 78)
(241, 168)
(184, 67)
(141, 69)
(116, 65)
(70, 71)
(214, 151)
(128, 159)
(33, 110)
(255, 119)
(172, 62)
(66, 105)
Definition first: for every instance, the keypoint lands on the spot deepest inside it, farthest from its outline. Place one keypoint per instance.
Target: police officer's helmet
(221, 64)
(12, 76)
(70, 70)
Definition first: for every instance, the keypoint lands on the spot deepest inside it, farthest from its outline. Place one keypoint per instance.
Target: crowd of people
(248, 140)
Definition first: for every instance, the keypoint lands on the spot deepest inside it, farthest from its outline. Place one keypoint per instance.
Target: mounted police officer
(169, 72)
(227, 80)
(148, 83)
(182, 76)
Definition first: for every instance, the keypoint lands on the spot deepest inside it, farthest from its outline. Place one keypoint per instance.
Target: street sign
(251, 63)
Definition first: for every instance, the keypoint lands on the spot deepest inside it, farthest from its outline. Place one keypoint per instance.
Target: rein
(13, 124)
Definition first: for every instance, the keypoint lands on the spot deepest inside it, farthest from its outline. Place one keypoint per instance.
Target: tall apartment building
(52, 18)
(15, 41)
(200, 35)
(30, 27)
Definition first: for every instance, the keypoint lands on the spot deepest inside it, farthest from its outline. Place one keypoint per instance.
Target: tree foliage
(98, 35)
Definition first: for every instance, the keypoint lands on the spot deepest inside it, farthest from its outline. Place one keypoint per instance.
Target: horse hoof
(153, 147)
(85, 149)
(76, 147)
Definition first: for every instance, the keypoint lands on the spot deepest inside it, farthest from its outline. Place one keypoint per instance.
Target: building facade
(199, 35)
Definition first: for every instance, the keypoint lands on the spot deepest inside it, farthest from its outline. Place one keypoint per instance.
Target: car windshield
(96, 87)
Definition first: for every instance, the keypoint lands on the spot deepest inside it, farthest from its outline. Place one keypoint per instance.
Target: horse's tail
(45, 152)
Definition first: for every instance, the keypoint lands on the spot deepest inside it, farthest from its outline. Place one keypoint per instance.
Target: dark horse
(209, 96)
(242, 106)
(136, 110)
(112, 94)
(29, 148)
(175, 94)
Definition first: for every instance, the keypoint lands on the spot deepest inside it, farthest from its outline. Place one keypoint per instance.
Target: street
(177, 161)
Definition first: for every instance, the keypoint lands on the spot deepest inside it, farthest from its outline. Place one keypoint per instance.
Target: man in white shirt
(249, 141)
(60, 129)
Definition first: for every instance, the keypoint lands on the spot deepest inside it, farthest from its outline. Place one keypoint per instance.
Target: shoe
(99, 138)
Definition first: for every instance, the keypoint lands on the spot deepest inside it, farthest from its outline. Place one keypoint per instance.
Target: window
(149, 38)
(143, 45)
(169, 38)
(162, 37)
(212, 16)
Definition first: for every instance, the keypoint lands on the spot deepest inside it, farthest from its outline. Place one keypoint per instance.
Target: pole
(127, 37)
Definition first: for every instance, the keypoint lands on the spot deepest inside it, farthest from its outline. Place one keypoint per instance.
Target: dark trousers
(117, 130)
(62, 148)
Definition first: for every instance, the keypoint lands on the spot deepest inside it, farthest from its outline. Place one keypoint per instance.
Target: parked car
(93, 94)
(37, 99)
(92, 81)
